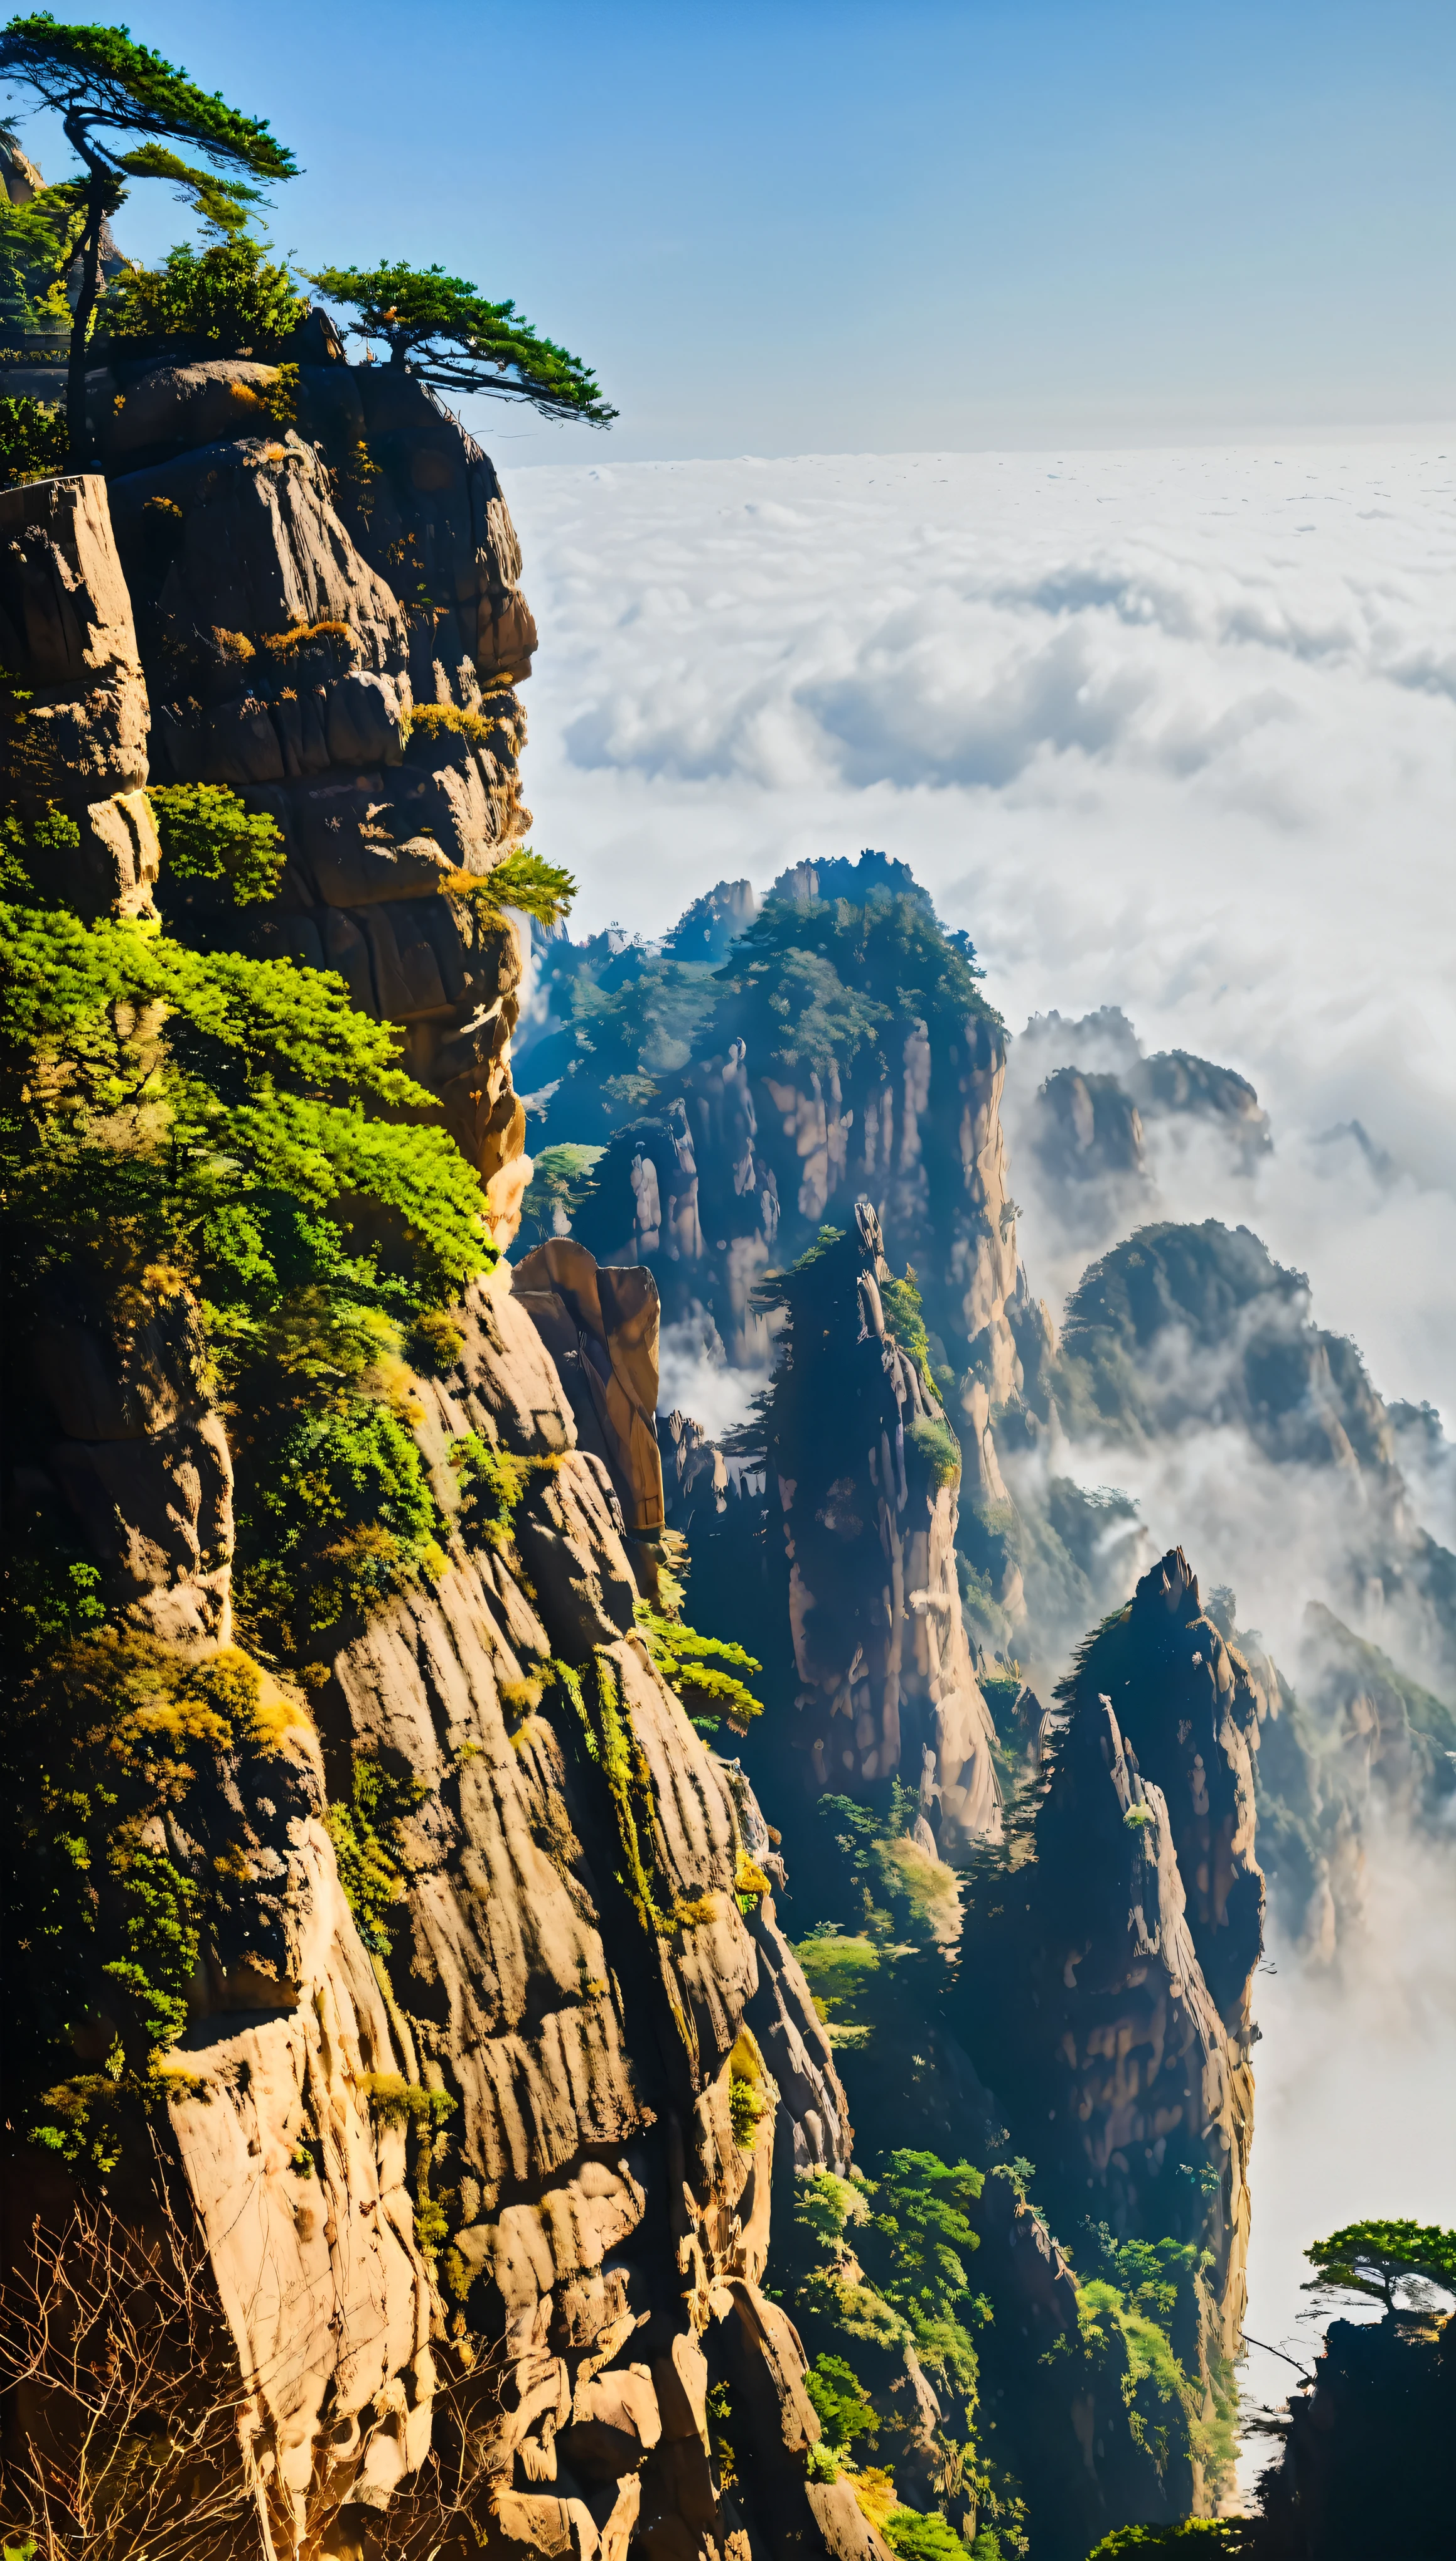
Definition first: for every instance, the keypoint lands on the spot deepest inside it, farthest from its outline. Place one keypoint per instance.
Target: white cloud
(1354, 2091)
(694, 1376)
(1168, 731)
(1172, 731)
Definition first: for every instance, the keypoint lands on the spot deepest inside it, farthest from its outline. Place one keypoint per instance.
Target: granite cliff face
(855, 1531)
(74, 717)
(511, 2074)
(310, 592)
(545, 2058)
(493, 2039)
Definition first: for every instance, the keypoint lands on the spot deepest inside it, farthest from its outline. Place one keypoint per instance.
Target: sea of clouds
(1175, 731)
(1169, 731)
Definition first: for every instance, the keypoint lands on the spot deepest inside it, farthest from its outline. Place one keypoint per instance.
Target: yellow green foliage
(307, 635)
(206, 834)
(702, 1669)
(494, 1484)
(105, 1741)
(523, 882)
(366, 1838)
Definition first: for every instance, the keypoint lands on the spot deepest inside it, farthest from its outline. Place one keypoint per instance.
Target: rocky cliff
(489, 2039)
(842, 1050)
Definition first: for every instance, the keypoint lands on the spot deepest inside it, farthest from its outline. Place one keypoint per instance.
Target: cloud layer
(1172, 731)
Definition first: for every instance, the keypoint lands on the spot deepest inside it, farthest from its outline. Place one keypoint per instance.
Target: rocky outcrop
(269, 650)
(73, 714)
(1251, 1358)
(503, 2145)
(1367, 2450)
(483, 2147)
(601, 1330)
(695, 1471)
(812, 2128)
(863, 1470)
(291, 2127)
(128, 1437)
(1136, 1934)
(765, 1133)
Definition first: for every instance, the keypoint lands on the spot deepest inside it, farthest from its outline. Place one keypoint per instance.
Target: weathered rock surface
(1136, 1934)
(283, 663)
(601, 1330)
(141, 1460)
(74, 717)
(299, 2182)
(756, 1147)
(863, 1474)
(600, 2230)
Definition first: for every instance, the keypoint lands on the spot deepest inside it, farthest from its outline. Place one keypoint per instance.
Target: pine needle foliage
(523, 882)
(442, 328)
(209, 838)
(110, 92)
(1377, 2260)
(156, 1101)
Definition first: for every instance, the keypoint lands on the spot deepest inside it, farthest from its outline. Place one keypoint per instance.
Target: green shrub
(524, 882)
(843, 2407)
(934, 1443)
(226, 293)
(34, 847)
(494, 1484)
(342, 1517)
(283, 645)
(100, 1736)
(393, 2101)
(365, 1834)
(34, 443)
(38, 244)
(914, 2538)
(746, 2109)
(436, 1340)
(446, 720)
(839, 1969)
(695, 1667)
(206, 834)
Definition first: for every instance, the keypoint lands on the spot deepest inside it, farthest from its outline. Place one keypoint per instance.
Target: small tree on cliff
(105, 88)
(1375, 2259)
(442, 329)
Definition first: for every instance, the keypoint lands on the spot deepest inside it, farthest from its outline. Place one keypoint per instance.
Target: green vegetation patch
(108, 1743)
(34, 444)
(206, 835)
(367, 1847)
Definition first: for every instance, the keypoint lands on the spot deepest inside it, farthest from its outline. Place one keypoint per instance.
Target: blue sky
(796, 228)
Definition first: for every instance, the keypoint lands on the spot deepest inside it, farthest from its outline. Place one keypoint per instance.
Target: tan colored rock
(144, 1465)
(601, 1325)
(78, 743)
(311, 2229)
(161, 409)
